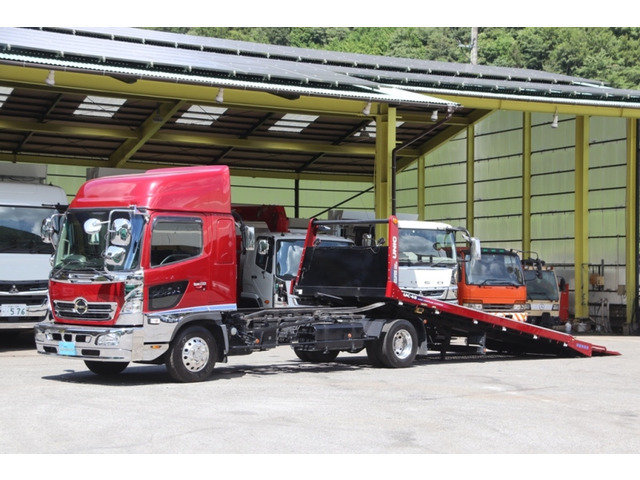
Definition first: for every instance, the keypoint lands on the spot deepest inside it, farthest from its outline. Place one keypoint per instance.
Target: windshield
(289, 254)
(78, 250)
(494, 269)
(20, 229)
(543, 287)
(427, 247)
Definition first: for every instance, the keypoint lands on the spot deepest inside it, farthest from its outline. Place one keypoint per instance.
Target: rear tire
(398, 345)
(106, 368)
(373, 353)
(192, 355)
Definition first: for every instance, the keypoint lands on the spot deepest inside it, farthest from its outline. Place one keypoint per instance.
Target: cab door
(258, 288)
(178, 275)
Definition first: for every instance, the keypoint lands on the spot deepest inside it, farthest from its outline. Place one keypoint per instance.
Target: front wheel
(398, 346)
(106, 368)
(192, 355)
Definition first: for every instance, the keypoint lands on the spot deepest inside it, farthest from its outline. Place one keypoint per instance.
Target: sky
(328, 13)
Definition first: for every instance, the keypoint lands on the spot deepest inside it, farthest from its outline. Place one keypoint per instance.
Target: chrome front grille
(80, 309)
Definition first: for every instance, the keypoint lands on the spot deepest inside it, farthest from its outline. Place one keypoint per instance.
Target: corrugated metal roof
(141, 53)
(41, 123)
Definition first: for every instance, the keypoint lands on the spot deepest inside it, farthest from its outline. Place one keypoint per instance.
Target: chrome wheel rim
(402, 344)
(195, 354)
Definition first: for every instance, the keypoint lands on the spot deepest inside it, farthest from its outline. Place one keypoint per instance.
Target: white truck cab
(428, 260)
(24, 257)
(268, 270)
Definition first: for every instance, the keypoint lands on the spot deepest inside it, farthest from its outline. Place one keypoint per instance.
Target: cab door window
(175, 240)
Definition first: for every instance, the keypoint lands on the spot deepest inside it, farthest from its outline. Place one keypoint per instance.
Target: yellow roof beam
(551, 106)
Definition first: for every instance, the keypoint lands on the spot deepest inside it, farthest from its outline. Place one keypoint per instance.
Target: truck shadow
(16, 340)
(137, 375)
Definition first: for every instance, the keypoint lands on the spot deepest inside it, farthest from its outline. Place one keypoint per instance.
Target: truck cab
(494, 283)
(24, 257)
(266, 272)
(269, 269)
(543, 292)
(428, 259)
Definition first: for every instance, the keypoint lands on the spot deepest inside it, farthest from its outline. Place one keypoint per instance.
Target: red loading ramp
(503, 334)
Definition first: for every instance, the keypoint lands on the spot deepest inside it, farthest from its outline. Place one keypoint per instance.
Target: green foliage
(605, 54)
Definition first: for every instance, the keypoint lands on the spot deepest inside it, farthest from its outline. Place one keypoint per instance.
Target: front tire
(192, 355)
(398, 345)
(106, 368)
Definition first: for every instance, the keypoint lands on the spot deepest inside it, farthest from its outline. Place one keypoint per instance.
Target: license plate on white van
(14, 310)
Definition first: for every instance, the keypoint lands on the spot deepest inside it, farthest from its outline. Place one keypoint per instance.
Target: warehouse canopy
(136, 98)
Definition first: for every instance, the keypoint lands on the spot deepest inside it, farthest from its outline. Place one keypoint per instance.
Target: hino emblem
(80, 306)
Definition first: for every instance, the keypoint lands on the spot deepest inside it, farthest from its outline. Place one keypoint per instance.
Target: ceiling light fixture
(367, 109)
(434, 116)
(554, 123)
(220, 96)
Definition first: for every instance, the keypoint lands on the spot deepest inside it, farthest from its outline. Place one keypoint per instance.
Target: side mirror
(475, 248)
(249, 238)
(114, 256)
(263, 246)
(120, 232)
(47, 230)
(92, 226)
(51, 228)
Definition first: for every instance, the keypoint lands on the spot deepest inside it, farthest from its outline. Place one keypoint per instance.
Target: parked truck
(145, 271)
(25, 201)
(493, 283)
(544, 292)
(268, 270)
(428, 254)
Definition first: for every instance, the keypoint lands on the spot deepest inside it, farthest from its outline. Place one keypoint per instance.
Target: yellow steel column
(581, 220)
(471, 151)
(526, 181)
(631, 226)
(422, 213)
(385, 143)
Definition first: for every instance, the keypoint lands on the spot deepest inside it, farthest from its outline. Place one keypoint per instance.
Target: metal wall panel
(498, 184)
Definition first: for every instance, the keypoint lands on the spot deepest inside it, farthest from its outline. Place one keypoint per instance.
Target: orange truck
(494, 283)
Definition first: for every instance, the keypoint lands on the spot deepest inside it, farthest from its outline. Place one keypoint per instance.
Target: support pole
(385, 143)
(526, 181)
(581, 219)
(471, 135)
(631, 222)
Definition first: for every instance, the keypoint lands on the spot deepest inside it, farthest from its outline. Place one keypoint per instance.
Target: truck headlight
(108, 340)
(556, 307)
(477, 306)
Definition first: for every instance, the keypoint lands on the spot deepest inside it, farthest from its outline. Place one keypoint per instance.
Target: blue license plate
(67, 348)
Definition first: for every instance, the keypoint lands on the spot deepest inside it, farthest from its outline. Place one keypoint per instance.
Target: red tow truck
(145, 271)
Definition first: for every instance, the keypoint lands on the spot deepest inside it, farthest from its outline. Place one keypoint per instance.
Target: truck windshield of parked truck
(95, 240)
(20, 229)
(541, 285)
(494, 268)
(427, 247)
(288, 253)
